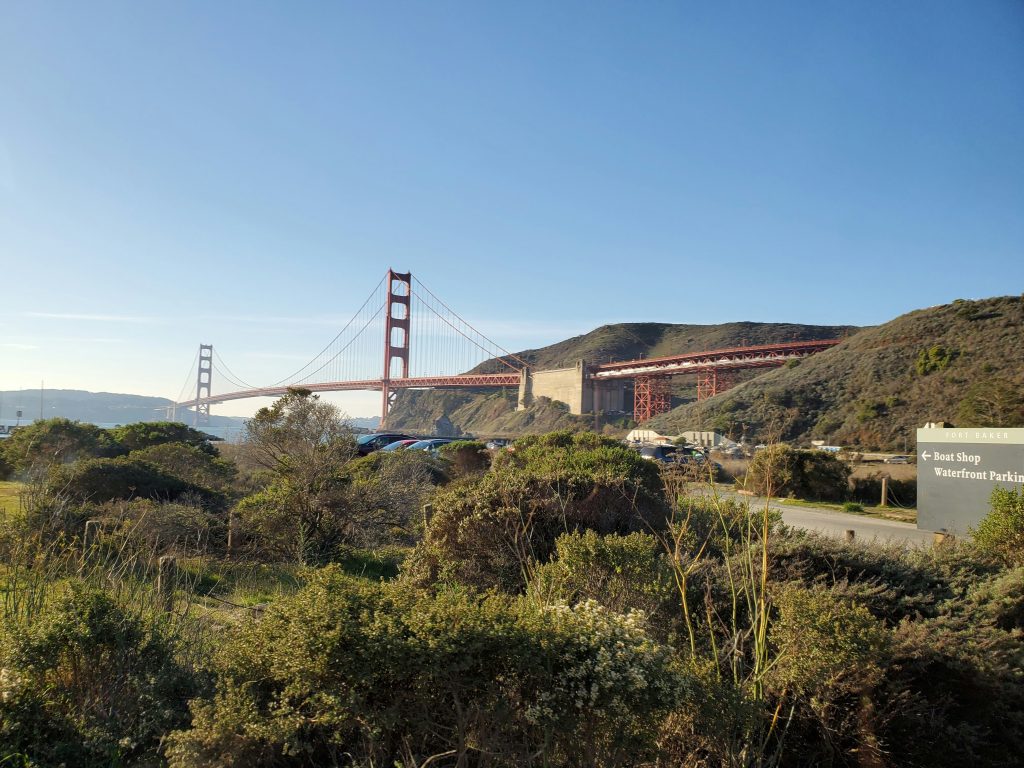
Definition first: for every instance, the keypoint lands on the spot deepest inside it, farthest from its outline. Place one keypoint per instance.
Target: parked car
(898, 460)
(430, 444)
(367, 444)
(498, 443)
(400, 444)
(672, 454)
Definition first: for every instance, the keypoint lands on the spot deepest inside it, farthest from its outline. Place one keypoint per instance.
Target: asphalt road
(832, 523)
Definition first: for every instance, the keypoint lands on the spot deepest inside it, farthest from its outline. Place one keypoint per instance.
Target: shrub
(780, 470)
(933, 359)
(49, 442)
(126, 477)
(146, 434)
(829, 653)
(852, 506)
(383, 675)
(619, 572)
(370, 502)
(190, 463)
(491, 531)
(1001, 531)
(466, 457)
(88, 684)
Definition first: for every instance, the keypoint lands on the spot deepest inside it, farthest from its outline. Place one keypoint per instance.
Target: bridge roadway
(760, 356)
(735, 358)
(421, 382)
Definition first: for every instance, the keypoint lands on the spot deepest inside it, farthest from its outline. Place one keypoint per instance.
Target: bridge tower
(204, 376)
(396, 335)
(651, 396)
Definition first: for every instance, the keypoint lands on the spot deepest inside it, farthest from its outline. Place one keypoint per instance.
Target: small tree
(1001, 532)
(992, 402)
(780, 470)
(305, 445)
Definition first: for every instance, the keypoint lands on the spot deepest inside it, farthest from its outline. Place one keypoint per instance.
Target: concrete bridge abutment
(572, 387)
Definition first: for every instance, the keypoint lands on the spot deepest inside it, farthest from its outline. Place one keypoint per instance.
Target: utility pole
(41, 384)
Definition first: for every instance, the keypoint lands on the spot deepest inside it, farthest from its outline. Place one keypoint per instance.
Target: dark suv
(367, 444)
(672, 454)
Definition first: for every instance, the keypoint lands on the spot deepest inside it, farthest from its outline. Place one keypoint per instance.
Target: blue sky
(243, 173)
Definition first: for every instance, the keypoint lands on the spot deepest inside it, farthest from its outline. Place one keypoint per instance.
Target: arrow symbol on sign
(925, 455)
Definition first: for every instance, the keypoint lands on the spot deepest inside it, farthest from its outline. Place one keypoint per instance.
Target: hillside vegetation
(566, 604)
(959, 363)
(627, 341)
(493, 413)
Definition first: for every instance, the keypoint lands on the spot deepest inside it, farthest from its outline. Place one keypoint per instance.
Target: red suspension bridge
(437, 350)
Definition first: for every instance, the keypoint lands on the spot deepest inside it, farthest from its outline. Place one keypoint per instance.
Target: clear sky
(243, 173)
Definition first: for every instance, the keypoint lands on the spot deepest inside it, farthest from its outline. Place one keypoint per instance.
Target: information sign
(957, 468)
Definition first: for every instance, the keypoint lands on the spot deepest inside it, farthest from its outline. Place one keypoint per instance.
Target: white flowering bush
(609, 683)
(351, 672)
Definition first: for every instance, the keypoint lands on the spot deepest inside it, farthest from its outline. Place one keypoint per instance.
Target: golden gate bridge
(382, 349)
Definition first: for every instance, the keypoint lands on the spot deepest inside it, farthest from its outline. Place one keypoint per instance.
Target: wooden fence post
(850, 534)
(166, 576)
(885, 492)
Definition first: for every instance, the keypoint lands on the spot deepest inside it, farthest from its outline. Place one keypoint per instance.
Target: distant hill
(493, 413)
(113, 408)
(961, 362)
(94, 407)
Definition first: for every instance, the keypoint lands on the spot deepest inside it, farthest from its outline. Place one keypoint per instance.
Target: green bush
(352, 673)
(933, 359)
(1001, 532)
(491, 531)
(619, 572)
(466, 457)
(852, 506)
(126, 477)
(146, 434)
(190, 463)
(829, 655)
(51, 442)
(780, 470)
(88, 684)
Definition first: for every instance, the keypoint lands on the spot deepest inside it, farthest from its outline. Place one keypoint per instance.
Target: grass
(9, 492)
(899, 514)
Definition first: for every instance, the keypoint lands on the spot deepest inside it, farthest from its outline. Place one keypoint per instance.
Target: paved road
(834, 523)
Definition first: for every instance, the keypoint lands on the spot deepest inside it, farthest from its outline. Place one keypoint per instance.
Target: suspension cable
(336, 354)
(317, 355)
(188, 378)
(463, 321)
(499, 358)
(231, 374)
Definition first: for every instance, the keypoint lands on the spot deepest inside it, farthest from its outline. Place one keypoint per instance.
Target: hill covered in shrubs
(959, 363)
(493, 413)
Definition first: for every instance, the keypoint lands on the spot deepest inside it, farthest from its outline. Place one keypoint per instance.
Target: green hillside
(493, 413)
(627, 341)
(962, 363)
